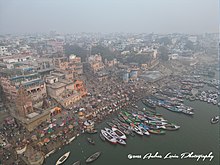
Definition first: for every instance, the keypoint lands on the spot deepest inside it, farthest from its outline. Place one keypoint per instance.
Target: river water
(196, 135)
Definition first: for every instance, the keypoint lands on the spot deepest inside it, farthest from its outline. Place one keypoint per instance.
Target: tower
(23, 103)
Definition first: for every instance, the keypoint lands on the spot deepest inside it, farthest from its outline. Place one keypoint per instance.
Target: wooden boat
(63, 158)
(121, 119)
(111, 132)
(132, 133)
(71, 139)
(115, 122)
(120, 141)
(187, 112)
(110, 124)
(174, 109)
(124, 130)
(91, 141)
(127, 114)
(152, 113)
(102, 137)
(145, 131)
(128, 120)
(49, 153)
(149, 104)
(127, 132)
(155, 118)
(108, 137)
(120, 134)
(137, 130)
(215, 119)
(76, 163)
(171, 127)
(157, 131)
(155, 122)
(126, 126)
(93, 157)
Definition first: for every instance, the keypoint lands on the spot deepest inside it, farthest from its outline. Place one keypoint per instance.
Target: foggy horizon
(109, 16)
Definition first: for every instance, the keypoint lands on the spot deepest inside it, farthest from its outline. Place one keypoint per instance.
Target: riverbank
(187, 138)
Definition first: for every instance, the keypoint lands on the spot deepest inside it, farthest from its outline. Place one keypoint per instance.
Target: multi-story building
(14, 59)
(70, 67)
(12, 79)
(44, 63)
(64, 91)
(25, 89)
(76, 64)
(55, 46)
(95, 63)
(111, 63)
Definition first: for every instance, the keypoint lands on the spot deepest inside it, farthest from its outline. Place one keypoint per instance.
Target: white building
(155, 53)
(3, 50)
(192, 38)
(173, 56)
(17, 58)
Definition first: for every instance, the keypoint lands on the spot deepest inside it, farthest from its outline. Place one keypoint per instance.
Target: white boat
(111, 132)
(156, 119)
(145, 131)
(160, 127)
(120, 141)
(171, 127)
(108, 137)
(155, 122)
(71, 139)
(187, 112)
(119, 133)
(49, 153)
(137, 130)
(63, 158)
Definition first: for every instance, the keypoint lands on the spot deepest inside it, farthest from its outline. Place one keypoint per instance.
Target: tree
(105, 52)
(189, 45)
(163, 52)
(77, 50)
(140, 59)
(165, 41)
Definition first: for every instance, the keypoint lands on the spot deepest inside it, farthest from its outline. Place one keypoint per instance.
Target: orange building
(66, 92)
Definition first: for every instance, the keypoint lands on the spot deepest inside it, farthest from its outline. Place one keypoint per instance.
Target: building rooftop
(32, 115)
(151, 75)
(10, 72)
(57, 85)
(57, 74)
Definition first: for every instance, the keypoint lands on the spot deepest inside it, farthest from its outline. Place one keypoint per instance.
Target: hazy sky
(69, 16)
